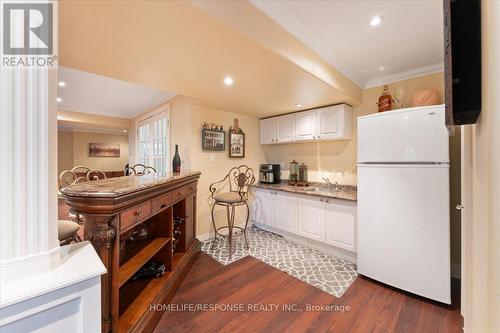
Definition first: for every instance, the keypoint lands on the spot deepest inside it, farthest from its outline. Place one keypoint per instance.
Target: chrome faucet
(335, 186)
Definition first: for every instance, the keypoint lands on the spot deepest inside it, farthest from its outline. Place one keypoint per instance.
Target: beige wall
(481, 286)
(187, 118)
(337, 159)
(64, 151)
(73, 151)
(214, 170)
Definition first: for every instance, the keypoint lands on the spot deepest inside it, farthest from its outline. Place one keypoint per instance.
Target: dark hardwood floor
(248, 283)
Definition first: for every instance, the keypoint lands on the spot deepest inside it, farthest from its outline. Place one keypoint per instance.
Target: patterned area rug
(324, 271)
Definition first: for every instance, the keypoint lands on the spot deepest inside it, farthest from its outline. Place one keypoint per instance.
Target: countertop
(345, 192)
(118, 186)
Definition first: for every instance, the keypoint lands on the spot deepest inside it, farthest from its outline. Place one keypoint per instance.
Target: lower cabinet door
(311, 217)
(340, 222)
(262, 209)
(285, 211)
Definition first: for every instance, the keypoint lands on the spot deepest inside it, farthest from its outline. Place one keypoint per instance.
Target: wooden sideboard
(111, 210)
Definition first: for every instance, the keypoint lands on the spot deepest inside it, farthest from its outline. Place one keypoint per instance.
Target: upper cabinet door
(334, 122)
(305, 125)
(267, 131)
(284, 128)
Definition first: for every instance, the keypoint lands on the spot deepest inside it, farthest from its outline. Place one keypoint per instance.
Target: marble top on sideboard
(118, 186)
(345, 192)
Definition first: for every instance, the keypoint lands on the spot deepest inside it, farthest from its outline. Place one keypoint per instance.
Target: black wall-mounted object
(462, 47)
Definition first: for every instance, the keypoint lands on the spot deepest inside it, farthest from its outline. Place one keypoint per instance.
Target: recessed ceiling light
(59, 99)
(298, 105)
(62, 84)
(381, 68)
(124, 131)
(376, 20)
(228, 81)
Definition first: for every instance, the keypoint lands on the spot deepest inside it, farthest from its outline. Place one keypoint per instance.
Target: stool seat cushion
(66, 229)
(229, 197)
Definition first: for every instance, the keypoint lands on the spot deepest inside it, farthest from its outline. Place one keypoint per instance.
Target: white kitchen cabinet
(327, 123)
(284, 128)
(267, 131)
(305, 125)
(277, 129)
(311, 217)
(327, 220)
(334, 122)
(285, 211)
(340, 223)
(262, 207)
(266, 205)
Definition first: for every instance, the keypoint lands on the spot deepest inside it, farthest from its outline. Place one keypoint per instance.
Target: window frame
(149, 119)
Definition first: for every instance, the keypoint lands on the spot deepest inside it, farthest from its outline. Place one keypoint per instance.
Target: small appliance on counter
(298, 174)
(269, 174)
(294, 171)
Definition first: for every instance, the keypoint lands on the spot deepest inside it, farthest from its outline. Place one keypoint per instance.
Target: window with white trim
(152, 142)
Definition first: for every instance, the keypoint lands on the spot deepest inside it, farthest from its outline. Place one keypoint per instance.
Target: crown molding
(406, 75)
(295, 27)
(108, 131)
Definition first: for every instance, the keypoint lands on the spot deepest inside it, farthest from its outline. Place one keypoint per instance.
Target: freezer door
(404, 227)
(408, 135)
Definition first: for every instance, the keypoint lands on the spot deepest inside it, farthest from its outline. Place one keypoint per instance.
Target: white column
(28, 173)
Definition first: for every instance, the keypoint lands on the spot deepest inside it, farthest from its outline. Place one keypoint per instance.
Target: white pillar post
(28, 166)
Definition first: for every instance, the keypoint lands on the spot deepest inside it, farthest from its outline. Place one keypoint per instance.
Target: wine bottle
(176, 163)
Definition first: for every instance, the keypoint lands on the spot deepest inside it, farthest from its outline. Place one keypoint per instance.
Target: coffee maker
(269, 174)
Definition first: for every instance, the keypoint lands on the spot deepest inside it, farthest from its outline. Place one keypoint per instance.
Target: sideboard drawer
(185, 190)
(134, 215)
(163, 201)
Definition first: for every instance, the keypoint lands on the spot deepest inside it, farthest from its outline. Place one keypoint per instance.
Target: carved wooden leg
(102, 235)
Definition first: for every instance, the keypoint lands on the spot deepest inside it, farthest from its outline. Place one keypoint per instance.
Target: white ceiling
(90, 93)
(408, 43)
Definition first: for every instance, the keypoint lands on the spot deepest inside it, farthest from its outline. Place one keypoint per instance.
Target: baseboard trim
(211, 234)
(337, 252)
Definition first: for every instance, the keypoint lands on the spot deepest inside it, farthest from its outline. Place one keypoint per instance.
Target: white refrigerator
(403, 200)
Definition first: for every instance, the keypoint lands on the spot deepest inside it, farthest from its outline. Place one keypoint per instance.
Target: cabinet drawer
(186, 190)
(163, 201)
(169, 199)
(134, 215)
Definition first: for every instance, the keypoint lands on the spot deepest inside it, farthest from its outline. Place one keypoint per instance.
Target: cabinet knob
(459, 207)
(138, 213)
(321, 200)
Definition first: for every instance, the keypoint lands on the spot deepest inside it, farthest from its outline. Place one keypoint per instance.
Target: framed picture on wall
(104, 149)
(236, 145)
(213, 140)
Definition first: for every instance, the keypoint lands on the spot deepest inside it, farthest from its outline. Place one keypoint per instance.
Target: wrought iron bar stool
(239, 179)
(139, 169)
